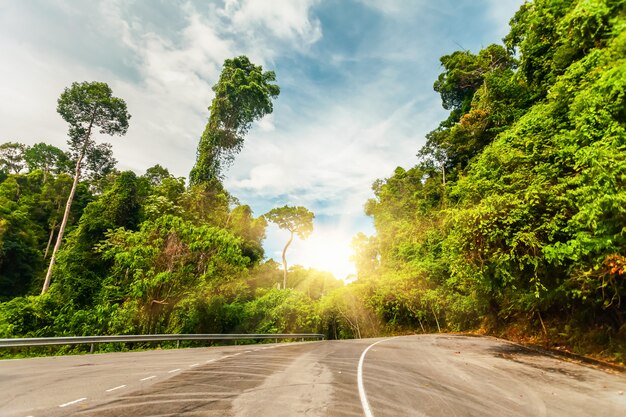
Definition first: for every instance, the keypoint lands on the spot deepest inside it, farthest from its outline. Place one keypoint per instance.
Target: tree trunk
(54, 225)
(285, 261)
(68, 206)
(436, 319)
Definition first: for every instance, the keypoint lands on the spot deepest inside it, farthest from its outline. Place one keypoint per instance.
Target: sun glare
(326, 251)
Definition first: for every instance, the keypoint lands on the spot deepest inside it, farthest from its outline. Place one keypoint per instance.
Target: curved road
(427, 375)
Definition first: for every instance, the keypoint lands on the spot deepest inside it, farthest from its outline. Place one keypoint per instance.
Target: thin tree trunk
(285, 261)
(68, 206)
(436, 319)
(422, 326)
(54, 225)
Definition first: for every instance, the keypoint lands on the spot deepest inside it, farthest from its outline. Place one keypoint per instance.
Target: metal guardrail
(79, 340)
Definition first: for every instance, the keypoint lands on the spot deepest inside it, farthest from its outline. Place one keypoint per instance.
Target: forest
(512, 221)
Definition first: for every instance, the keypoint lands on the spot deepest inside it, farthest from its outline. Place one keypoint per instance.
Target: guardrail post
(92, 348)
(177, 344)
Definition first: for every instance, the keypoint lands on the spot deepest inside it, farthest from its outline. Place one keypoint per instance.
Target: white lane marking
(210, 360)
(247, 351)
(148, 377)
(173, 370)
(115, 388)
(359, 376)
(73, 402)
(194, 365)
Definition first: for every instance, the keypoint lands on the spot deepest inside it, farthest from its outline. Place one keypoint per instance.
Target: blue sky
(356, 79)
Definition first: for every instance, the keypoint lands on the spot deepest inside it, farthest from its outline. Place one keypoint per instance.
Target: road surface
(426, 375)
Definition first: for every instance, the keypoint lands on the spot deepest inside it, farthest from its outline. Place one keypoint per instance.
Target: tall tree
(12, 157)
(243, 94)
(297, 220)
(85, 106)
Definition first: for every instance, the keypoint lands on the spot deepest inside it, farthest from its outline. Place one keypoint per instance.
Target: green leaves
(298, 220)
(12, 157)
(88, 103)
(530, 172)
(243, 94)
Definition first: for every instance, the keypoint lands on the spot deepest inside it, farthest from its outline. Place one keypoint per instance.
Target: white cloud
(329, 167)
(286, 19)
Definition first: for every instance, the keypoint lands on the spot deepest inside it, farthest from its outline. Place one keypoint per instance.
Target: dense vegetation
(144, 254)
(512, 221)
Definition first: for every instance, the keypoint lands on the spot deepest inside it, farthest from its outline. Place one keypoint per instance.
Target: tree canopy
(243, 94)
(297, 220)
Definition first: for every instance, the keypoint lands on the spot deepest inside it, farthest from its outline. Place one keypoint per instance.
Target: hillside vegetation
(514, 220)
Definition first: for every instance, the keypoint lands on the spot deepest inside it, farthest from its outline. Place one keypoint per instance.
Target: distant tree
(12, 157)
(85, 106)
(243, 94)
(156, 174)
(47, 158)
(297, 220)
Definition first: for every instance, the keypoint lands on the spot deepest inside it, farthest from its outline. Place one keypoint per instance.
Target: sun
(328, 251)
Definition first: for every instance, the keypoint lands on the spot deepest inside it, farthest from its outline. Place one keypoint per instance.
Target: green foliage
(12, 157)
(281, 311)
(298, 220)
(47, 158)
(166, 261)
(81, 268)
(30, 208)
(465, 73)
(157, 174)
(516, 212)
(20, 257)
(243, 94)
(346, 313)
(88, 104)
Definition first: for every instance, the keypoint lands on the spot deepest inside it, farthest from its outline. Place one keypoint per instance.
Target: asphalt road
(428, 375)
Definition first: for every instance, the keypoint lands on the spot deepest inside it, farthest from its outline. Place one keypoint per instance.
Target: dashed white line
(173, 370)
(193, 365)
(115, 388)
(247, 351)
(148, 377)
(73, 402)
(364, 403)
